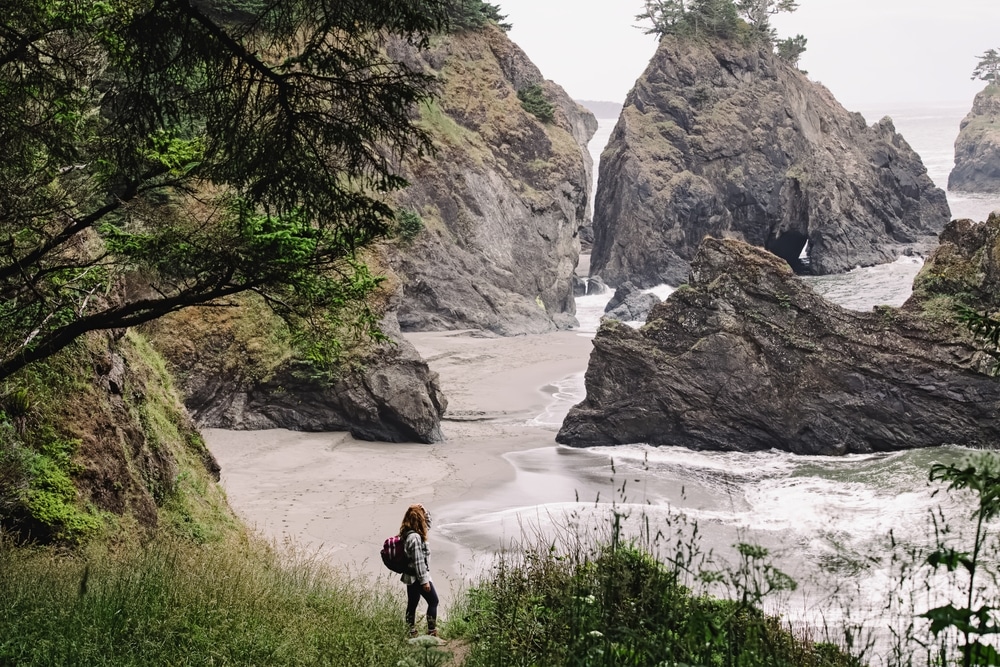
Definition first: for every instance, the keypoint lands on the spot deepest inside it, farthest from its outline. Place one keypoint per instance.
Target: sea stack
(723, 138)
(977, 149)
(745, 357)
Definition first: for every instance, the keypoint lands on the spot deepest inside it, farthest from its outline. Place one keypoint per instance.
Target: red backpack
(394, 555)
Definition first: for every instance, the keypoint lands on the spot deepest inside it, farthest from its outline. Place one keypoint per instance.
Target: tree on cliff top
(714, 17)
(988, 67)
(474, 14)
(157, 156)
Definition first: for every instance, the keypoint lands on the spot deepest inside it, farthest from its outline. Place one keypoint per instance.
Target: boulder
(630, 304)
(745, 357)
(389, 394)
(596, 285)
(724, 139)
(977, 148)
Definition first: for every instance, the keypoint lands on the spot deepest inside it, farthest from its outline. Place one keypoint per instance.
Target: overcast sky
(868, 52)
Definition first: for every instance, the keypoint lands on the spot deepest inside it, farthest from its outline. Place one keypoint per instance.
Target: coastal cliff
(977, 148)
(96, 439)
(720, 138)
(501, 201)
(746, 357)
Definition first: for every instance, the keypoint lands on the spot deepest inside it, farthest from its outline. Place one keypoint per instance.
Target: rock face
(722, 139)
(977, 149)
(746, 357)
(501, 201)
(390, 395)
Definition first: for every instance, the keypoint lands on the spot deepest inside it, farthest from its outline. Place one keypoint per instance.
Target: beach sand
(331, 495)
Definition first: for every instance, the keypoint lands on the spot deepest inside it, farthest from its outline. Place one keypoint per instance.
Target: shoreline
(338, 498)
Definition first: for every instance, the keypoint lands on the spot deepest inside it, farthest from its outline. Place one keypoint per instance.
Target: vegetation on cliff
(747, 19)
(159, 156)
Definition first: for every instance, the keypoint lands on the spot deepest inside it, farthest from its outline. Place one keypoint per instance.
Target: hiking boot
(434, 633)
(413, 632)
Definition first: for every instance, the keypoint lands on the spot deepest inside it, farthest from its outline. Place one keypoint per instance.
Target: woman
(413, 532)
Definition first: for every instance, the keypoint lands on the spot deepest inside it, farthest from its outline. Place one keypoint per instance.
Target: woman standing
(413, 531)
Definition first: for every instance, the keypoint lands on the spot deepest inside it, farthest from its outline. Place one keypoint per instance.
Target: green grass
(172, 603)
(618, 605)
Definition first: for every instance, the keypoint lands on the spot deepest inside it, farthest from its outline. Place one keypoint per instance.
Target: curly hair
(415, 519)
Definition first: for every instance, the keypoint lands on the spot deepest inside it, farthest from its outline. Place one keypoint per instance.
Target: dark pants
(413, 594)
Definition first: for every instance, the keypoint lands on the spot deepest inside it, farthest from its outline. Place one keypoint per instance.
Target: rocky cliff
(502, 199)
(746, 357)
(95, 441)
(722, 139)
(977, 148)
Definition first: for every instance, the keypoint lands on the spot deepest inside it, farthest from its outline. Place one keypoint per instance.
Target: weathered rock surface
(977, 148)
(964, 269)
(746, 357)
(630, 304)
(722, 139)
(501, 201)
(390, 395)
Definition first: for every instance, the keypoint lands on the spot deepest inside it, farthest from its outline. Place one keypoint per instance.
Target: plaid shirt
(418, 551)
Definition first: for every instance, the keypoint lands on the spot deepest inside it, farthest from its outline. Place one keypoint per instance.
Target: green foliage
(619, 605)
(202, 149)
(534, 102)
(410, 224)
(174, 604)
(474, 15)
(720, 18)
(426, 652)
(988, 67)
(976, 619)
(791, 49)
(51, 495)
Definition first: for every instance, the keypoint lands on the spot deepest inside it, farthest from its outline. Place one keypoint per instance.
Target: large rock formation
(747, 357)
(719, 138)
(501, 200)
(977, 148)
(236, 374)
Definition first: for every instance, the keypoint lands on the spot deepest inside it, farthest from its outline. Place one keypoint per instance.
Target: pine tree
(988, 67)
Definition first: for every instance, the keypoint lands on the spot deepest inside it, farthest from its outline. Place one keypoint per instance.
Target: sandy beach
(338, 497)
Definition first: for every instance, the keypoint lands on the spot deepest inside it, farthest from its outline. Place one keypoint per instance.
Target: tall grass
(613, 601)
(626, 592)
(177, 604)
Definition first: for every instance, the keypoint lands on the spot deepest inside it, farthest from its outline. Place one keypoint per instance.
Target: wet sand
(329, 494)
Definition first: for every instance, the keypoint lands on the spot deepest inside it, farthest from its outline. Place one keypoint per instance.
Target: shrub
(619, 605)
(534, 102)
(410, 224)
(474, 14)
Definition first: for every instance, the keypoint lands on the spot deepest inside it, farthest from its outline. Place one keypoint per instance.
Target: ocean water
(825, 521)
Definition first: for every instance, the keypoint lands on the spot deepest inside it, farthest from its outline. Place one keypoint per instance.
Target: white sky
(866, 51)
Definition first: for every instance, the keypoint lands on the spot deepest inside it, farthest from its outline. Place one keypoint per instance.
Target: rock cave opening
(792, 246)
